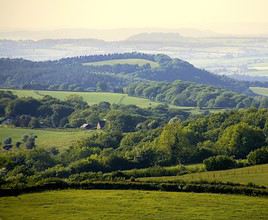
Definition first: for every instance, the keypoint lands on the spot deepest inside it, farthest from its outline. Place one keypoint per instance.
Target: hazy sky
(219, 15)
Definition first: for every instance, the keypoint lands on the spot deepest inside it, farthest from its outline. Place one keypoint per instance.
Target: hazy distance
(119, 19)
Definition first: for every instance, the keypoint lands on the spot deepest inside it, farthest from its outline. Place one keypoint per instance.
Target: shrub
(219, 162)
(259, 156)
(7, 143)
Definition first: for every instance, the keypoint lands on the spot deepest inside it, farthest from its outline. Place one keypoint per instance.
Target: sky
(223, 16)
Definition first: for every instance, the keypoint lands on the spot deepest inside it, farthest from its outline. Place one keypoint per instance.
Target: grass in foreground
(255, 174)
(45, 138)
(139, 62)
(131, 204)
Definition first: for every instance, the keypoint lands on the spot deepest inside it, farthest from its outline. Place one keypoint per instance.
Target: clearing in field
(255, 174)
(60, 138)
(140, 62)
(131, 204)
(94, 97)
(260, 90)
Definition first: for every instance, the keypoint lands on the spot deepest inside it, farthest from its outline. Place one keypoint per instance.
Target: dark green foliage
(30, 141)
(199, 187)
(258, 156)
(85, 165)
(240, 139)
(102, 140)
(175, 143)
(71, 74)
(18, 144)
(121, 121)
(74, 112)
(190, 94)
(7, 143)
(23, 106)
(178, 139)
(219, 162)
(40, 159)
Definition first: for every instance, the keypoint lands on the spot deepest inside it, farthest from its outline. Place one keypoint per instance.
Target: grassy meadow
(113, 98)
(131, 204)
(45, 137)
(139, 62)
(254, 174)
(260, 90)
(92, 97)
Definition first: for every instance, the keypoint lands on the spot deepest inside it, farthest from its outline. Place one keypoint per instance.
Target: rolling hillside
(254, 174)
(46, 138)
(260, 90)
(139, 62)
(72, 74)
(93, 97)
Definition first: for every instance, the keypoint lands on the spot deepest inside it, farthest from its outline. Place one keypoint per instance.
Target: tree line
(49, 112)
(183, 93)
(71, 73)
(225, 140)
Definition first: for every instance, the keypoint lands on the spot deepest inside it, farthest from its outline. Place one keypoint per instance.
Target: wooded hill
(73, 74)
(182, 93)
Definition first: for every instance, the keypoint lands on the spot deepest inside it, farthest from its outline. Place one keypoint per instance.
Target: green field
(260, 90)
(45, 138)
(92, 97)
(139, 62)
(130, 204)
(255, 174)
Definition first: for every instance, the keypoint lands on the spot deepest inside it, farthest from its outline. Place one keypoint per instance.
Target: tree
(23, 106)
(240, 139)
(101, 87)
(34, 123)
(77, 101)
(39, 159)
(29, 141)
(18, 143)
(258, 156)
(220, 162)
(7, 143)
(124, 122)
(102, 140)
(174, 142)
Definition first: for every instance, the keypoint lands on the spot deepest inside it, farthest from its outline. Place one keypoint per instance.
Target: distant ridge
(155, 37)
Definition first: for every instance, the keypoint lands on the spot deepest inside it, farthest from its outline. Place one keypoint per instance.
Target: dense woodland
(132, 137)
(136, 139)
(71, 74)
(183, 93)
(50, 112)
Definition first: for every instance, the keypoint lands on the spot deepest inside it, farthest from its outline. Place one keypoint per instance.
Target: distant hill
(72, 73)
(47, 43)
(155, 37)
(192, 32)
(105, 34)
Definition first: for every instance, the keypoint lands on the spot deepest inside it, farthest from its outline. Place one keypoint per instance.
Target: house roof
(85, 126)
(101, 123)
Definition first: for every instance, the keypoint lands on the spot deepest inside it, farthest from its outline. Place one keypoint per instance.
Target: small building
(86, 126)
(101, 124)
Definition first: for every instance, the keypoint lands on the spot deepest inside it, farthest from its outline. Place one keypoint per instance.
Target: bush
(259, 156)
(219, 162)
(7, 143)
